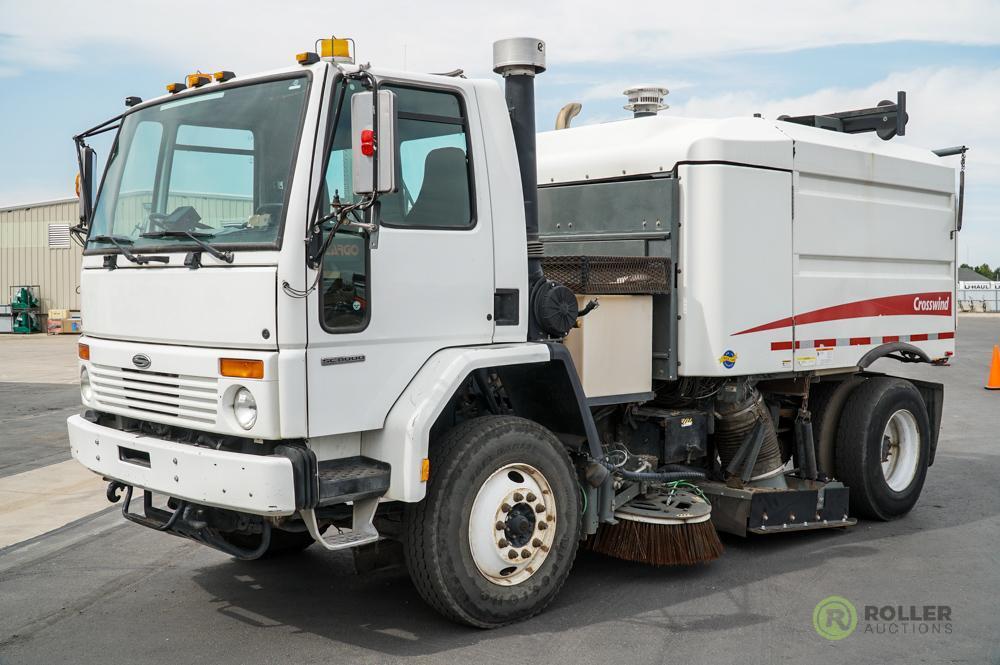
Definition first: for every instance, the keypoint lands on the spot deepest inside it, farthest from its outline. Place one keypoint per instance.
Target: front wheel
(497, 533)
(883, 444)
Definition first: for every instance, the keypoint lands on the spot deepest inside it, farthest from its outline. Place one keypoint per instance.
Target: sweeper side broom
(668, 525)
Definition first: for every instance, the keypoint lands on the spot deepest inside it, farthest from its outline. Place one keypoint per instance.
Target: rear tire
(883, 443)
(471, 559)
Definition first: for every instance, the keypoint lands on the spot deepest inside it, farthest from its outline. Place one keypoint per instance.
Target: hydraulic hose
(672, 472)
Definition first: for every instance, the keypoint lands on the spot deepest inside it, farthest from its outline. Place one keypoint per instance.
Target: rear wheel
(497, 533)
(883, 444)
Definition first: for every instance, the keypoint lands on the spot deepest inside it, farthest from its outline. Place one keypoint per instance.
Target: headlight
(86, 390)
(245, 408)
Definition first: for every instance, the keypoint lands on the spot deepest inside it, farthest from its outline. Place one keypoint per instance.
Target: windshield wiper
(121, 241)
(197, 238)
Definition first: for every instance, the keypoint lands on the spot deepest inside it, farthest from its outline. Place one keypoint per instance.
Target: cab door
(384, 304)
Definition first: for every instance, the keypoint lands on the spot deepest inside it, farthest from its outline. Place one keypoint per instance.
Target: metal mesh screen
(611, 275)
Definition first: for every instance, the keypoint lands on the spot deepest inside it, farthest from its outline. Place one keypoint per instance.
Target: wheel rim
(900, 450)
(512, 524)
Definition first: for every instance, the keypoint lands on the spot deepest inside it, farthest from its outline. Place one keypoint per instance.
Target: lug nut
(543, 525)
(525, 554)
(539, 508)
(512, 554)
(531, 497)
(536, 543)
(500, 526)
(518, 497)
(505, 507)
(502, 543)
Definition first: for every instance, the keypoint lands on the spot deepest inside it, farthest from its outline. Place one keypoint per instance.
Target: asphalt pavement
(100, 590)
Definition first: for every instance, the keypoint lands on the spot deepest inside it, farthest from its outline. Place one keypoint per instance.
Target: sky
(67, 65)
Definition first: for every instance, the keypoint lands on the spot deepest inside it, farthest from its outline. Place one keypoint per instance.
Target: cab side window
(435, 175)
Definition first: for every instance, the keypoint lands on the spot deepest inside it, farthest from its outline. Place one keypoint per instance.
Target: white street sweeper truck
(335, 305)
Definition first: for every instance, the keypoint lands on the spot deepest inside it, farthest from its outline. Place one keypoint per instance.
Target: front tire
(883, 444)
(496, 536)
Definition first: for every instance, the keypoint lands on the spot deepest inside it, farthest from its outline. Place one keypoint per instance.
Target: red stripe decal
(946, 335)
(890, 338)
(937, 303)
(825, 342)
(861, 341)
(918, 338)
(781, 346)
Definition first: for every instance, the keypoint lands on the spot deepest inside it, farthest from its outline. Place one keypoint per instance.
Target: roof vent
(646, 100)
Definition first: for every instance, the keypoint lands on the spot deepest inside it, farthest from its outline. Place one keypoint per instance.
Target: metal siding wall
(25, 257)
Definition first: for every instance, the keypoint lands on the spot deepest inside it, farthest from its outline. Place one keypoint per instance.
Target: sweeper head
(667, 525)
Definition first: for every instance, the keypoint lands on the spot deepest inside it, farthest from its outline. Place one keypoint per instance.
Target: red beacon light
(367, 142)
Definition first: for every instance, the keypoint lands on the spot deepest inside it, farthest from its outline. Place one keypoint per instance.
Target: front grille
(610, 275)
(144, 394)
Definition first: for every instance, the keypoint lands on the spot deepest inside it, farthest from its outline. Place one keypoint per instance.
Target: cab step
(362, 530)
(351, 479)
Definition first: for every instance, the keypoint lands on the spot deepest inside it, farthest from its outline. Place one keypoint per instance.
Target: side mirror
(84, 183)
(374, 147)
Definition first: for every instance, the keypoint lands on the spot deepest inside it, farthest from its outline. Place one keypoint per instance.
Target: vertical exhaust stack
(552, 308)
(518, 60)
(644, 100)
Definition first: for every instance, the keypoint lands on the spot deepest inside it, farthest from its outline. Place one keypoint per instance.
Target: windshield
(216, 165)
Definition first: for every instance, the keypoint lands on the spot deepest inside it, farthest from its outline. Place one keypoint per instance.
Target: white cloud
(248, 35)
(614, 89)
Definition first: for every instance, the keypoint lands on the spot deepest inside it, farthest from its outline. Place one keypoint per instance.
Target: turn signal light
(241, 369)
(223, 76)
(198, 79)
(174, 88)
(83, 350)
(425, 470)
(306, 58)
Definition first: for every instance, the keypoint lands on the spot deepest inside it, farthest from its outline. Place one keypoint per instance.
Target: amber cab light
(241, 369)
(197, 79)
(83, 350)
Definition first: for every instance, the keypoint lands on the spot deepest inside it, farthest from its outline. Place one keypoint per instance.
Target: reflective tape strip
(858, 341)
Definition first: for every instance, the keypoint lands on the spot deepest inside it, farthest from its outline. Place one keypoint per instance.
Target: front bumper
(256, 484)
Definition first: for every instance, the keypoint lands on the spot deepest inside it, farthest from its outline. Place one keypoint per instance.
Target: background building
(36, 248)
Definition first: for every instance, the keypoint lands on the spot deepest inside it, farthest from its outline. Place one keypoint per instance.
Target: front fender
(404, 439)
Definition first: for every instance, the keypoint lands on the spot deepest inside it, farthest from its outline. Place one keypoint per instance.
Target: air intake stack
(646, 100)
(552, 307)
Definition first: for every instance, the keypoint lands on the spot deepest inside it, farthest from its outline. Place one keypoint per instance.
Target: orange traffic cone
(993, 383)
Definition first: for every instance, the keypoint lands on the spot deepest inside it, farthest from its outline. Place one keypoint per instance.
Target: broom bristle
(658, 544)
